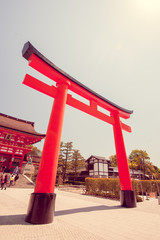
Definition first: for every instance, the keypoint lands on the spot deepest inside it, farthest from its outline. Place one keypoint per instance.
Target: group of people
(8, 179)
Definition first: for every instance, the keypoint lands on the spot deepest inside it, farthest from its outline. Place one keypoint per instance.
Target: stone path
(79, 217)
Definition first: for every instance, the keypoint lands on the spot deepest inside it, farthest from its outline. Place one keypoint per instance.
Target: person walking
(16, 170)
(12, 180)
(16, 178)
(2, 181)
(9, 176)
(5, 182)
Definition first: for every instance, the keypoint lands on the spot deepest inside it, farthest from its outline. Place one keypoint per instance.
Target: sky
(112, 47)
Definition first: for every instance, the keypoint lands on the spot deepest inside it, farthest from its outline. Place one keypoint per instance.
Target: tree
(113, 160)
(34, 151)
(156, 174)
(65, 155)
(60, 158)
(77, 161)
(139, 161)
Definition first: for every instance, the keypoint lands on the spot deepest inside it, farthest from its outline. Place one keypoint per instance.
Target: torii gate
(42, 201)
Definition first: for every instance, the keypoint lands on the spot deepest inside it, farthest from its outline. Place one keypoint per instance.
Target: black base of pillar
(41, 208)
(128, 198)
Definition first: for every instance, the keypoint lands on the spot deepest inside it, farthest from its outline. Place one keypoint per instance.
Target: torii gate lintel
(73, 102)
(44, 196)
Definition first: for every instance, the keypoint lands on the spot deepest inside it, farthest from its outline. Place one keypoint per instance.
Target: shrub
(145, 186)
(110, 187)
(139, 199)
(104, 187)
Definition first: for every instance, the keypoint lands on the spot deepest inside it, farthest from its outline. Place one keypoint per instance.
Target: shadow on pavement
(86, 209)
(13, 220)
(20, 219)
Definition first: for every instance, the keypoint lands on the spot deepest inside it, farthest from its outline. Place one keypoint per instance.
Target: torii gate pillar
(42, 201)
(127, 195)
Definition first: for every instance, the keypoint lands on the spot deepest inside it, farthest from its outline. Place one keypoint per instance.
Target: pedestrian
(4, 169)
(2, 181)
(8, 182)
(16, 170)
(5, 181)
(11, 180)
(16, 178)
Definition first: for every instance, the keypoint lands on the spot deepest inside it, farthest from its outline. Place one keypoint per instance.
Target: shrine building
(16, 136)
(97, 166)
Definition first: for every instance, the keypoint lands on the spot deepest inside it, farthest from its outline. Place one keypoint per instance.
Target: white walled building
(97, 166)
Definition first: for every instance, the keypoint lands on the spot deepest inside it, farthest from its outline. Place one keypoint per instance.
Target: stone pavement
(79, 217)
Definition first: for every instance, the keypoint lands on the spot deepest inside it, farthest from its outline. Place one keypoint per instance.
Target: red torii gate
(42, 201)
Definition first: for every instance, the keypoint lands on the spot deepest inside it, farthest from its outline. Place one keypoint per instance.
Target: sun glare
(149, 5)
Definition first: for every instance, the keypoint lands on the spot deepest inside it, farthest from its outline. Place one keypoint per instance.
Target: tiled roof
(18, 125)
(98, 157)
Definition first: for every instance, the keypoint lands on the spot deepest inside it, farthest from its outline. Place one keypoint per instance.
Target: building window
(90, 166)
(8, 136)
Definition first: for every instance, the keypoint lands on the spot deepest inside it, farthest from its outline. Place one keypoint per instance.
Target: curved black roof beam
(29, 49)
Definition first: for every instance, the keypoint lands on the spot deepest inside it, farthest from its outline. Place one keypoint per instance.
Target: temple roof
(19, 125)
(98, 158)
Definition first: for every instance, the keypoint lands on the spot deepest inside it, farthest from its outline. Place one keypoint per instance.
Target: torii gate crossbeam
(41, 206)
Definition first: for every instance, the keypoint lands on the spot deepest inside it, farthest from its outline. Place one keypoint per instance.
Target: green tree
(139, 160)
(65, 155)
(77, 161)
(113, 160)
(156, 174)
(60, 159)
(34, 151)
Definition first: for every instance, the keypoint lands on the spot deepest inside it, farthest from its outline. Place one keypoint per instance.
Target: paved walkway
(79, 217)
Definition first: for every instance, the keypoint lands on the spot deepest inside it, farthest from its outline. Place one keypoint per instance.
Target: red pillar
(48, 166)
(124, 175)
(21, 162)
(10, 163)
(127, 194)
(42, 201)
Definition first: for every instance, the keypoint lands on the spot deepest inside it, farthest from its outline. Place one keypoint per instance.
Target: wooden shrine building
(97, 166)
(15, 137)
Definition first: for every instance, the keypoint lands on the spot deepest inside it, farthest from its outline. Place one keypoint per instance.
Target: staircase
(22, 182)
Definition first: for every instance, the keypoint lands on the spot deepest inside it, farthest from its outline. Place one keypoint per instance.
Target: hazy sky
(113, 47)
